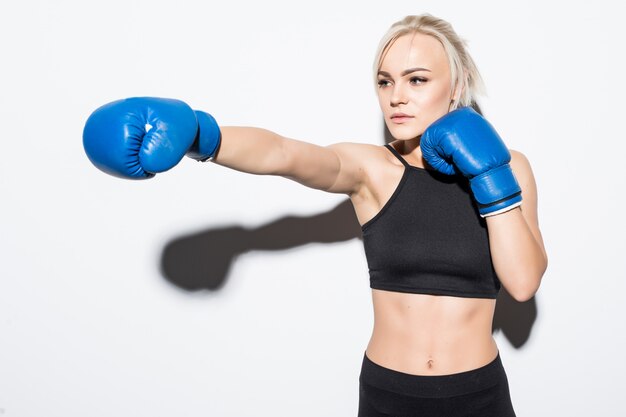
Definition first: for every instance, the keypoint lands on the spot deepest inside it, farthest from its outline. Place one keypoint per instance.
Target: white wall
(97, 314)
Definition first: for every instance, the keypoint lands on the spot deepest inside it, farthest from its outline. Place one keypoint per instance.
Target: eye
(418, 80)
(383, 83)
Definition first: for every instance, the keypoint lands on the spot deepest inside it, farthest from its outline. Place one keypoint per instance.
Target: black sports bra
(428, 238)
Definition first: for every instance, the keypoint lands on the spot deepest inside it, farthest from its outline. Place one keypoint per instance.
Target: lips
(400, 116)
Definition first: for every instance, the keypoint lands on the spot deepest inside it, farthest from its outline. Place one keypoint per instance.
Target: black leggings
(481, 392)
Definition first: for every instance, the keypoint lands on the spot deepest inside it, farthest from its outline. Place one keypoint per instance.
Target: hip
(482, 391)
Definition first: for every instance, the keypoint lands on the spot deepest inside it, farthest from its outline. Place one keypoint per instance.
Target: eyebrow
(405, 72)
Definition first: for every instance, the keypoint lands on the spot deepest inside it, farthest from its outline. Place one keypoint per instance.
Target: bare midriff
(431, 335)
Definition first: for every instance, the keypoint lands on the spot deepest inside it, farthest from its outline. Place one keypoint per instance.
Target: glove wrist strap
(496, 190)
(208, 138)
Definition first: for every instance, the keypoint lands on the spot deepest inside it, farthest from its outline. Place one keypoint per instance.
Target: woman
(444, 226)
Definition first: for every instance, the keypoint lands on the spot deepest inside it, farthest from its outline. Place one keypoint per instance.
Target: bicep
(526, 179)
(331, 168)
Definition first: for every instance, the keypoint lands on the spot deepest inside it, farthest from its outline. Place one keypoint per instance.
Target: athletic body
(413, 333)
(416, 335)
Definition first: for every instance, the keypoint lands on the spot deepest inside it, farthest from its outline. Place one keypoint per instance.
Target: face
(414, 79)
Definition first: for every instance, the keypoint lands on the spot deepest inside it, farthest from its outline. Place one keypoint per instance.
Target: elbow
(522, 296)
(527, 290)
(528, 283)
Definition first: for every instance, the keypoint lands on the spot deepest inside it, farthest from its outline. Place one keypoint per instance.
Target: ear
(460, 87)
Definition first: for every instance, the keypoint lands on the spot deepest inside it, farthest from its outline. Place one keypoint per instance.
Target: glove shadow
(202, 260)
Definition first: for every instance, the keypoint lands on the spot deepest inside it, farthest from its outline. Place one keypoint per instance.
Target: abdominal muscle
(431, 335)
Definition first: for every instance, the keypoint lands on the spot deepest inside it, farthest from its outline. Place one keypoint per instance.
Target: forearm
(516, 254)
(252, 150)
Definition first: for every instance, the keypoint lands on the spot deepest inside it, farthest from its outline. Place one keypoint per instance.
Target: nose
(398, 95)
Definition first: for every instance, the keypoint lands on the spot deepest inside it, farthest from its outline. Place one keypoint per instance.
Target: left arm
(504, 188)
(517, 250)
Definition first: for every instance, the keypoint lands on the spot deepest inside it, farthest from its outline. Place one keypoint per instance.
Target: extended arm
(137, 138)
(259, 151)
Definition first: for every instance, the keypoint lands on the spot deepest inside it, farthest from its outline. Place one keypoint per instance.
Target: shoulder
(368, 155)
(525, 178)
(354, 150)
(373, 165)
(518, 158)
(521, 168)
(357, 163)
(365, 157)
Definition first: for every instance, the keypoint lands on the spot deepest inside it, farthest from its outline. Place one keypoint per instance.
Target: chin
(405, 134)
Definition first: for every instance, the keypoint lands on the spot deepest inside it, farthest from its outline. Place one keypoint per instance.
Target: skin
(413, 333)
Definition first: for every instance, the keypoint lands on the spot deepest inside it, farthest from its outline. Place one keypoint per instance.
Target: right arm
(125, 147)
(335, 168)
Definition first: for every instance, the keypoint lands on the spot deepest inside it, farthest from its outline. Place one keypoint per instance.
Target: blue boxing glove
(463, 141)
(136, 138)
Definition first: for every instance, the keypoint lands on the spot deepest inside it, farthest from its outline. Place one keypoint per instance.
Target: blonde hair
(463, 70)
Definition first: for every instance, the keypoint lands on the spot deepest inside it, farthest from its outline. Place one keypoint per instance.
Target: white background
(92, 324)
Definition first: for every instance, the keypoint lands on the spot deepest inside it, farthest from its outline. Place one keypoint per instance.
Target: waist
(437, 386)
(431, 335)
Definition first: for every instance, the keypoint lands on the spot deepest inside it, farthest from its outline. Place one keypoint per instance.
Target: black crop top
(429, 238)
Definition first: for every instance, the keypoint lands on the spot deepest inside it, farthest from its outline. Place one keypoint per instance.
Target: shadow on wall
(202, 261)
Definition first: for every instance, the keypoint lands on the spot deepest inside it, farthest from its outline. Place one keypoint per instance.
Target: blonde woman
(448, 214)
